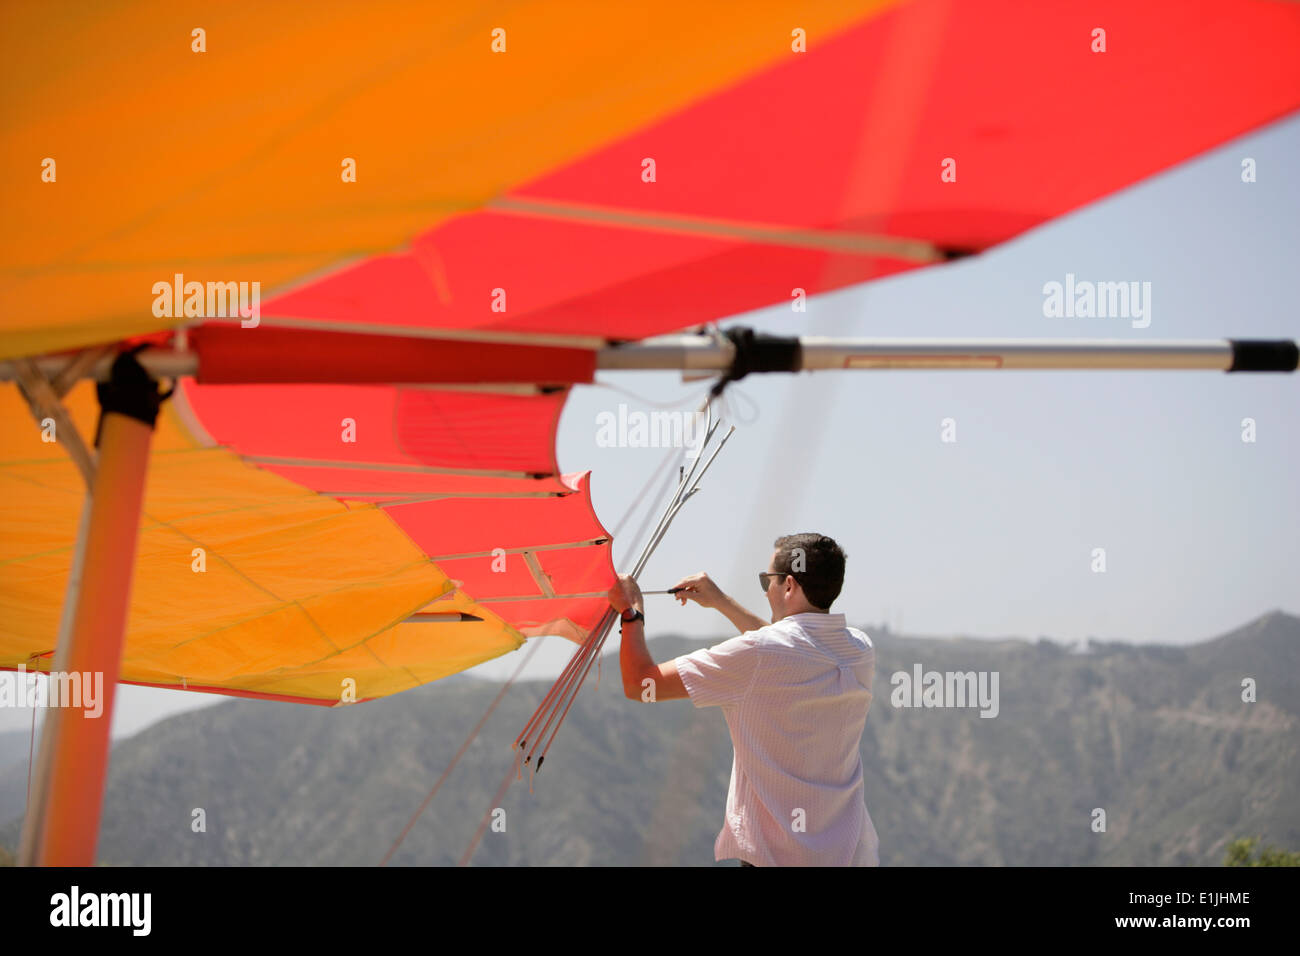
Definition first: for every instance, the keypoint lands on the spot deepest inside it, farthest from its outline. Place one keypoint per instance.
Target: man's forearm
(634, 660)
(740, 618)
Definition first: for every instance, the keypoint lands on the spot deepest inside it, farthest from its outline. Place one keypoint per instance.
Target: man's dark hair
(816, 562)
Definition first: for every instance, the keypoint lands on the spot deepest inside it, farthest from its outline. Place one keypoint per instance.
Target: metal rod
(566, 688)
(674, 506)
(521, 740)
(704, 353)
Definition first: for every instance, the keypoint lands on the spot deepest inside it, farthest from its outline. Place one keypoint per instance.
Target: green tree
(1239, 854)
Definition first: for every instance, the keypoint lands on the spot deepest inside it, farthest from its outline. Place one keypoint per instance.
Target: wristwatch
(636, 616)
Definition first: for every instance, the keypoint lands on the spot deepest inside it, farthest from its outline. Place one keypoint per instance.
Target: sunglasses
(765, 576)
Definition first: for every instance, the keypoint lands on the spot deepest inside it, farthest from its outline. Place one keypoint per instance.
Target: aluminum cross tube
(705, 353)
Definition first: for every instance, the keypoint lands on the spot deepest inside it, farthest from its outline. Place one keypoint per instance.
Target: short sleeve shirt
(795, 696)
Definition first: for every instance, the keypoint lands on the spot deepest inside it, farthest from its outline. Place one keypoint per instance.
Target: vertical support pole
(62, 825)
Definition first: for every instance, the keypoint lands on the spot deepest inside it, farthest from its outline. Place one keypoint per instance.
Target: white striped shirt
(795, 696)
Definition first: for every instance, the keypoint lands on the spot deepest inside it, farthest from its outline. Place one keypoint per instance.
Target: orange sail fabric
(238, 584)
(228, 163)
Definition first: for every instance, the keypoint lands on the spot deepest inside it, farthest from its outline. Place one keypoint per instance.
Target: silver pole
(701, 353)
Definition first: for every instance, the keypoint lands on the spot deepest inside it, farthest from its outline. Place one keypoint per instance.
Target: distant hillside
(13, 771)
(1157, 736)
(13, 746)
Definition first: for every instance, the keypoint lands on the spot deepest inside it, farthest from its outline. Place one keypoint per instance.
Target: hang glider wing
(370, 471)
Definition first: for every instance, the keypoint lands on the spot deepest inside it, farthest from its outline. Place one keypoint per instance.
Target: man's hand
(625, 593)
(700, 589)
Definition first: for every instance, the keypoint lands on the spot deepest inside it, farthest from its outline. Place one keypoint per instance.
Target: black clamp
(758, 352)
(130, 391)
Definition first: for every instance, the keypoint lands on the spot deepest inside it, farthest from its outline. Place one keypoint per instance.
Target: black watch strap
(636, 616)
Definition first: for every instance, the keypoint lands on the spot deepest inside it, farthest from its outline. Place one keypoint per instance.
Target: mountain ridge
(1157, 736)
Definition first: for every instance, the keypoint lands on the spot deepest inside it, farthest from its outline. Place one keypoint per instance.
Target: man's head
(805, 573)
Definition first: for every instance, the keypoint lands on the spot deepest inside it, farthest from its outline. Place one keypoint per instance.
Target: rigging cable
(31, 747)
(460, 753)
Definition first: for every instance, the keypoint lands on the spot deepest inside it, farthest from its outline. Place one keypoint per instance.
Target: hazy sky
(992, 535)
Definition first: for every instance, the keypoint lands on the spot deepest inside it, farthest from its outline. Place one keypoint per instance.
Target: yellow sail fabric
(274, 613)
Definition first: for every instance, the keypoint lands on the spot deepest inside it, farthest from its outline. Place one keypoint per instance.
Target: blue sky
(991, 536)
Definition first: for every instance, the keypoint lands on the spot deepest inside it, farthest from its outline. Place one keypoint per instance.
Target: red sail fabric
(932, 130)
(787, 179)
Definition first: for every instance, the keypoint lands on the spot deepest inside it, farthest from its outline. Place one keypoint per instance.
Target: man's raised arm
(701, 589)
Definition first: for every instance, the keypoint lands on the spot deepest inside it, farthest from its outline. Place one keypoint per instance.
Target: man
(795, 695)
